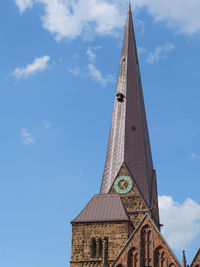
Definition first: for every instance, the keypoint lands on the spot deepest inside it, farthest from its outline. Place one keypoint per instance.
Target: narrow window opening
(120, 97)
(100, 248)
(93, 248)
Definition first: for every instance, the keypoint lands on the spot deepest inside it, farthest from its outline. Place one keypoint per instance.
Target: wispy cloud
(46, 124)
(97, 76)
(23, 4)
(39, 64)
(90, 52)
(26, 137)
(75, 71)
(160, 52)
(93, 71)
(141, 50)
(194, 156)
(183, 16)
(180, 230)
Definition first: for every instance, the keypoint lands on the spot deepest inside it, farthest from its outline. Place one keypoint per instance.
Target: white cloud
(75, 71)
(183, 16)
(93, 71)
(91, 54)
(23, 4)
(194, 156)
(27, 139)
(181, 221)
(69, 19)
(39, 64)
(160, 52)
(97, 76)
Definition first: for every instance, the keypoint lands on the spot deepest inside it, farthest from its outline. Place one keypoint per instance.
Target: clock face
(123, 184)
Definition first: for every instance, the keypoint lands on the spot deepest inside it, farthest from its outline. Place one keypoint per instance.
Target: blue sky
(58, 71)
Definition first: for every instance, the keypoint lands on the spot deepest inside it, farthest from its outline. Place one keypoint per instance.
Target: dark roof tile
(103, 208)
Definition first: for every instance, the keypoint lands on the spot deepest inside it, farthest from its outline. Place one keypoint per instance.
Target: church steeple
(129, 143)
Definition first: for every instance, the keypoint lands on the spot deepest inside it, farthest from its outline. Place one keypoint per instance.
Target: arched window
(136, 260)
(105, 249)
(162, 258)
(100, 248)
(120, 265)
(93, 248)
(172, 265)
(159, 257)
(146, 246)
(132, 258)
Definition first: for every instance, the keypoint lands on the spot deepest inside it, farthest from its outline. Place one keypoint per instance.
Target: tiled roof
(195, 258)
(129, 138)
(103, 208)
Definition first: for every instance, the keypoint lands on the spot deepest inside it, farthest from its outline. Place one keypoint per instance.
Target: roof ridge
(84, 208)
(196, 255)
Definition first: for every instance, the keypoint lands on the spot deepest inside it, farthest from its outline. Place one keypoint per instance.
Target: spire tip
(129, 6)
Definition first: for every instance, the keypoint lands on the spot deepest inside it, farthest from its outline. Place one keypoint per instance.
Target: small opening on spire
(120, 97)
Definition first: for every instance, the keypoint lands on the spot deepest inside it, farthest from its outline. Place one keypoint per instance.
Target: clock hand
(123, 186)
(123, 183)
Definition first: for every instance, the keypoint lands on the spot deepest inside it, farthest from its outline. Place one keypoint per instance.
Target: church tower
(120, 226)
(129, 153)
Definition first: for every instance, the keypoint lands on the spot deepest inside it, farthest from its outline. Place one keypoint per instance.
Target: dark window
(146, 246)
(100, 248)
(105, 249)
(120, 97)
(159, 257)
(93, 248)
(132, 258)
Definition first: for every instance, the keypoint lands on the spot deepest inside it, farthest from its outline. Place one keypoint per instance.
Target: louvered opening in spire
(129, 139)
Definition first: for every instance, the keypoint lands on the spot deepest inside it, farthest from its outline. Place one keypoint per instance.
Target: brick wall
(116, 233)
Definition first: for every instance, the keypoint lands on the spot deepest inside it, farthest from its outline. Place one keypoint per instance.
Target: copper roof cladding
(103, 208)
(129, 139)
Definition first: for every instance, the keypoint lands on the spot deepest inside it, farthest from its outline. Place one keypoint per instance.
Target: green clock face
(123, 184)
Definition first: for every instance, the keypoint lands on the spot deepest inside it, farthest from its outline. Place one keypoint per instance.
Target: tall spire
(184, 259)
(129, 143)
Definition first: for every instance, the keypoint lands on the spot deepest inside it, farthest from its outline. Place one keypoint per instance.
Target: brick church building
(120, 227)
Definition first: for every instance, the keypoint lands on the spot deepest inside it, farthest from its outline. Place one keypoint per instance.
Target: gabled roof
(103, 208)
(136, 229)
(195, 258)
(129, 139)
